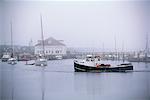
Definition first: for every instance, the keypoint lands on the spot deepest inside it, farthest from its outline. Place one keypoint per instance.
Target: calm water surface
(58, 81)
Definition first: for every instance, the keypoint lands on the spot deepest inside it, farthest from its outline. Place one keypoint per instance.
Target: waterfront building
(52, 48)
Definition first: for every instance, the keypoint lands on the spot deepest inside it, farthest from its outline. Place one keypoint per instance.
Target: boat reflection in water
(43, 82)
(13, 83)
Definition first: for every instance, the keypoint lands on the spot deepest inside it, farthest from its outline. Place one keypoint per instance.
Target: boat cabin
(91, 58)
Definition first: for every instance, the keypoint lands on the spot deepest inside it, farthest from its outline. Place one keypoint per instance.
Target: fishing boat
(41, 60)
(93, 64)
(12, 60)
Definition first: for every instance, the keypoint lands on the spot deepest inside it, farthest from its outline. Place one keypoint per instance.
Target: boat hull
(40, 63)
(83, 68)
(12, 62)
(5, 59)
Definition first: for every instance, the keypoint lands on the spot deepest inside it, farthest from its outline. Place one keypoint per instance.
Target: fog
(80, 24)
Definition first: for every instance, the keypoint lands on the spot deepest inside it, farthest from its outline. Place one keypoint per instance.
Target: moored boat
(93, 64)
(5, 57)
(41, 62)
(12, 61)
(59, 57)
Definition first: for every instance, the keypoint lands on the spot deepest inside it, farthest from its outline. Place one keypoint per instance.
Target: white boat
(41, 62)
(59, 57)
(12, 61)
(5, 57)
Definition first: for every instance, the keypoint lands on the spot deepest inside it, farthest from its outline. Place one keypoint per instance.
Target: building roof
(50, 42)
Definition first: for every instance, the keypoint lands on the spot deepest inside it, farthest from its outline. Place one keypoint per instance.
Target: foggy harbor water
(58, 81)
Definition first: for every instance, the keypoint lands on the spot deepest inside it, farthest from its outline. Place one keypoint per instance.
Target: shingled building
(52, 47)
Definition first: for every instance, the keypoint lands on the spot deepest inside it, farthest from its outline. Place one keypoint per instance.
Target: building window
(57, 51)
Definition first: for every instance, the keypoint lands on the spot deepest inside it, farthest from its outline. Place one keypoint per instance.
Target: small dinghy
(93, 64)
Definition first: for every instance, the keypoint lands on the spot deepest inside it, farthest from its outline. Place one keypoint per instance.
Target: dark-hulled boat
(92, 64)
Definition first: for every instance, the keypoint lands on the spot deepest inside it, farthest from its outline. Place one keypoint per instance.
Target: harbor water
(58, 81)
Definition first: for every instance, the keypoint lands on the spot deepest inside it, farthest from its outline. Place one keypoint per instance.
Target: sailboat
(142, 58)
(41, 60)
(12, 60)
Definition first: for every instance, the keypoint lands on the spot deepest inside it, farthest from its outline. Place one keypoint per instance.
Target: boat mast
(123, 58)
(115, 48)
(146, 49)
(42, 35)
(43, 83)
(103, 50)
(12, 50)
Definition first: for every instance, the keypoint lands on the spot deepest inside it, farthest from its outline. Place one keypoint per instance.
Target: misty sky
(79, 24)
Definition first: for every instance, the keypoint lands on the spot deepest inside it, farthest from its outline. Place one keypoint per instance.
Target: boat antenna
(12, 50)
(42, 35)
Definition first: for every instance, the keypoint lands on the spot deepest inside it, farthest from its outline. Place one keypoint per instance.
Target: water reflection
(117, 86)
(7, 82)
(88, 86)
(146, 65)
(0, 82)
(22, 82)
(147, 84)
(43, 82)
(12, 80)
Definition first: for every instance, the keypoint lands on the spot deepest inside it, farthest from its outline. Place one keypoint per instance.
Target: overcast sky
(79, 24)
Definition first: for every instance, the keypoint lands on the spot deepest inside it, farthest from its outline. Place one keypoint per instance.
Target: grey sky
(79, 24)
